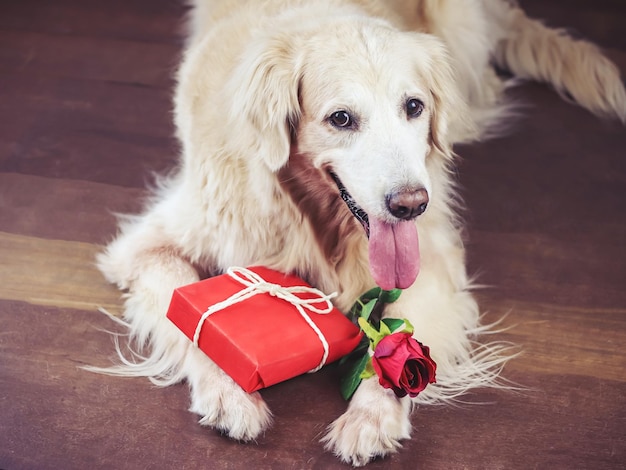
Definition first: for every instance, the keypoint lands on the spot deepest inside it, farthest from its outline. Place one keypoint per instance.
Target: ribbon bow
(255, 284)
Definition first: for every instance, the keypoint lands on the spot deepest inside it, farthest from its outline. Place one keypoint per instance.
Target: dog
(317, 138)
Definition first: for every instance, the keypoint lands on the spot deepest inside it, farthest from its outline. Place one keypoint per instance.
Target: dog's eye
(341, 119)
(414, 107)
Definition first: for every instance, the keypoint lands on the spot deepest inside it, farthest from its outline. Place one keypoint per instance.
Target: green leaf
(357, 352)
(367, 310)
(373, 293)
(409, 327)
(395, 325)
(372, 333)
(384, 330)
(368, 329)
(355, 310)
(350, 382)
(390, 296)
(368, 370)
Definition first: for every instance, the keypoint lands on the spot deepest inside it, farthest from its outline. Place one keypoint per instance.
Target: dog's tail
(576, 68)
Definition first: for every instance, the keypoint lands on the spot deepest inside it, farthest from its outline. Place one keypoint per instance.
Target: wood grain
(85, 106)
(54, 273)
(550, 336)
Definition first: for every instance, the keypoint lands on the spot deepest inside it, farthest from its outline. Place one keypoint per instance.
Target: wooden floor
(85, 115)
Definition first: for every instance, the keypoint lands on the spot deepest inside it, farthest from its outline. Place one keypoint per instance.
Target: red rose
(403, 364)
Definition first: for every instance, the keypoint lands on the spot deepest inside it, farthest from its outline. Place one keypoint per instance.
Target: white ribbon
(255, 284)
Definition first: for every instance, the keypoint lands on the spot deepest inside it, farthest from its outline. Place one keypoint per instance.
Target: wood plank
(54, 273)
(552, 269)
(136, 20)
(117, 60)
(64, 209)
(558, 339)
(58, 127)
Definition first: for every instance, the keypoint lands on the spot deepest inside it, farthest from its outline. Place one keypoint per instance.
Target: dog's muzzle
(393, 246)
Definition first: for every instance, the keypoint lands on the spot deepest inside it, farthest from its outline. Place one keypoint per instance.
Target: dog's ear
(449, 111)
(264, 104)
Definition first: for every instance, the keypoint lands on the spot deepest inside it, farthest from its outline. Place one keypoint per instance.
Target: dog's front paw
(373, 425)
(230, 410)
(239, 415)
(222, 404)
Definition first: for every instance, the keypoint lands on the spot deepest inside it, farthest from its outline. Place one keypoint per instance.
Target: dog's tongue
(394, 253)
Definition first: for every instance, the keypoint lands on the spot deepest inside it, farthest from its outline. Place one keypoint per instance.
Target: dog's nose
(407, 204)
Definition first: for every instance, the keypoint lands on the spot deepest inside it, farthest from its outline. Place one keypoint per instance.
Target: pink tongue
(394, 253)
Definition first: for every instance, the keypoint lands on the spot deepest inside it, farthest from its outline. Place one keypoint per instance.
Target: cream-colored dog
(317, 139)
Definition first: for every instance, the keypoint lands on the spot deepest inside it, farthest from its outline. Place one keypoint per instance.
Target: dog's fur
(256, 90)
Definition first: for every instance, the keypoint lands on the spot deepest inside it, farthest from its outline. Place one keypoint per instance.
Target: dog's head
(369, 108)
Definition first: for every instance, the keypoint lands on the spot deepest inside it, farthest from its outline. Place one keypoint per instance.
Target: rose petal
(389, 344)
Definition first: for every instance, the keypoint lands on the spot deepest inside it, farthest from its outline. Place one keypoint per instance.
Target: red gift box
(260, 337)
